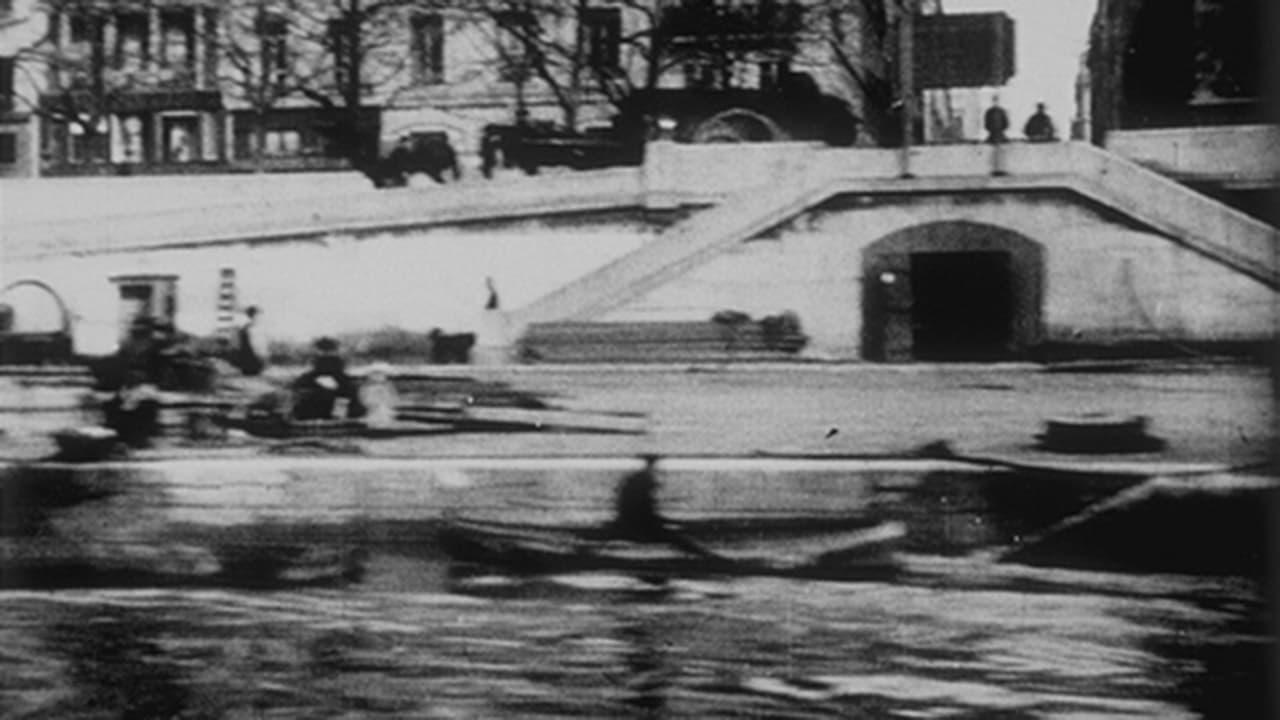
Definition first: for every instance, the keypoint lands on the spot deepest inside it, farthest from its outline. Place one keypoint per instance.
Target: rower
(326, 390)
(636, 517)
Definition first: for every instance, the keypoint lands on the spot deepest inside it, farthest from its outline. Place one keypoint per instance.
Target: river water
(953, 638)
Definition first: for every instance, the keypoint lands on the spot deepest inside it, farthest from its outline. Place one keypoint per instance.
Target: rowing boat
(841, 548)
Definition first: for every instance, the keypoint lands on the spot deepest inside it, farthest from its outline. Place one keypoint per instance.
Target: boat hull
(781, 547)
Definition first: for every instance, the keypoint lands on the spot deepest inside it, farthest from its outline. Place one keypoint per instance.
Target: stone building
(18, 148)
(956, 252)
(176, 86)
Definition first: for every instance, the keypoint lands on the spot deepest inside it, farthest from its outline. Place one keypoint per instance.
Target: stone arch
(64, 317)
(738, 125)
(952, 290)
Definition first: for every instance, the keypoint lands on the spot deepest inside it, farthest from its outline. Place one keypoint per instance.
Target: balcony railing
(133, 101)
(757, 25)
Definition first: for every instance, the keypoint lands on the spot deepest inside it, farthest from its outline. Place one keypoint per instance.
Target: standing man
(996, 122)
(248, 354)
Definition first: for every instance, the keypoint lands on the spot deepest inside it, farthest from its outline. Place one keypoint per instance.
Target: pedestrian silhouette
(996, 122)
(1039, 127)
(492, 302)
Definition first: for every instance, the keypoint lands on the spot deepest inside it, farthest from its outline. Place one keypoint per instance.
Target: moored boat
(840, 548)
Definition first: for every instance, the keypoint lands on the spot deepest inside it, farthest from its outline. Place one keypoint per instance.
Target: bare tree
(350, 52)
(341, 56)
(257, 63)
(538, 42)
(75, 70)
(548, 41)
(874, 70)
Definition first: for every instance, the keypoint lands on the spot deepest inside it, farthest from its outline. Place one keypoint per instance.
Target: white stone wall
(1244, 154)
(413, 280)
(1103, 281)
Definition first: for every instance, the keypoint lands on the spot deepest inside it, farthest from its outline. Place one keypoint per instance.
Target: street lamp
(907, 80)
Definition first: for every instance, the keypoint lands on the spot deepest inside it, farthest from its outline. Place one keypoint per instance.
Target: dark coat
(314, 401)
(996, 122)
(636, 515)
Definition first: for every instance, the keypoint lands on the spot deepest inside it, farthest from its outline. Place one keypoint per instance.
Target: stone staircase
(1202, 224)
(683, 247)
(559, 323)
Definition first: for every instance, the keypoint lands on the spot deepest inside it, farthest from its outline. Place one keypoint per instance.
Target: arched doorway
(951, 292)
(738, 125)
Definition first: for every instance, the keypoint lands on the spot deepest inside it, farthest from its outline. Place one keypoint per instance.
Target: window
(182, 139)
(84, 37)
(1225, 68)
(602, 28)
(149, 296)
(516, 34)
(131, 139)
(273, 31)
(285, 134)
(6, 84)
(82, 146)
(428, 48)
(707, 74)
(177, 39)
(8, 148)
(773, 74)
(84, 29)
(282, 143)
(132, 30)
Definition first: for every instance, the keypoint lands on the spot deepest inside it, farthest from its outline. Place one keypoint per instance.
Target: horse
(431, 155)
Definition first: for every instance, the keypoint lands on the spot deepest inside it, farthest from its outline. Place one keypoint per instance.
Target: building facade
(964, 251)
(176, 86)
(1180, 87)
(18, 148)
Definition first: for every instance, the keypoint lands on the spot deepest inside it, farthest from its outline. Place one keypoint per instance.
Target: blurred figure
(636, 517)
(492, 302)
(378, 396)
(451, 347)
(326, 390)
(1039, 127)
(491, 144)
(248, 353)
(996, 122)
(133, 412)
(138, 352)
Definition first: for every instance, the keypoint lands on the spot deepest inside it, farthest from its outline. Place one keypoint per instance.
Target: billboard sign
(963, 50)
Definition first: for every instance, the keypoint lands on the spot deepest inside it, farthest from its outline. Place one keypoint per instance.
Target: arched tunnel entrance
(951, 292)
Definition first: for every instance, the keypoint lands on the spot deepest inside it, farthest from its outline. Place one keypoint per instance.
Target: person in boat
(320, 392)
(636, 517)
(138, 355)
(133, 411)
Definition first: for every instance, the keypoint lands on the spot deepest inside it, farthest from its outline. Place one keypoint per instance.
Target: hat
(326, 345)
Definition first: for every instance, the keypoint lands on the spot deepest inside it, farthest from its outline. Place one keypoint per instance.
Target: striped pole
(227, 302)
